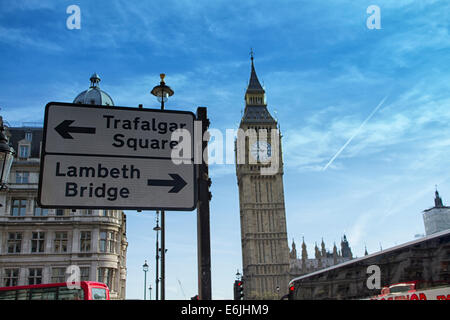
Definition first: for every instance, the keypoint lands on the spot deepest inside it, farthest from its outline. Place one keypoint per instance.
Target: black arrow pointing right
(177, 183)
(64, 129)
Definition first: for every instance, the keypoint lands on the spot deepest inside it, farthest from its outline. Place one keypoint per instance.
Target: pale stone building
(437, 218)
(265, 251)
(36, 244)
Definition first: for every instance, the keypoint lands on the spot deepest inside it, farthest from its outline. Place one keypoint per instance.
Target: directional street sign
(80, 181)
(116, 158)
(95, 130)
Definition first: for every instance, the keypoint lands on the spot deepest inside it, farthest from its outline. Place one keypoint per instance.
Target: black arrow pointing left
(64, 129)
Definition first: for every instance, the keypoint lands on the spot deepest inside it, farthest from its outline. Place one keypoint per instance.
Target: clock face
(261, 151)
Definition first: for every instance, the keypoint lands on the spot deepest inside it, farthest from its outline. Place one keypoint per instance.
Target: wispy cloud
(28, 5)
(27, 38)
(411, 122)
(354, 135)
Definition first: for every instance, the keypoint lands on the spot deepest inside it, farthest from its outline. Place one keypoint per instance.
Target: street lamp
(157, 228)
(145, 269)
(6, 157)
(162, 93)
(150, 288)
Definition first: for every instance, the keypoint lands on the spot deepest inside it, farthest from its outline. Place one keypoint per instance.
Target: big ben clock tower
(265, 252)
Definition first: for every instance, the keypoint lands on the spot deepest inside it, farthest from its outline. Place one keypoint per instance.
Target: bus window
(98, 294)
(399, 288)
(23, 294)
(70, 294)
(43, 294)
(8, 295)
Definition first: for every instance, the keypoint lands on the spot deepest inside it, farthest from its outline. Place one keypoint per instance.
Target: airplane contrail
(354, 135)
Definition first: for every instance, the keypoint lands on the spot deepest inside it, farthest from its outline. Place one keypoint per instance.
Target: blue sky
(324, 73)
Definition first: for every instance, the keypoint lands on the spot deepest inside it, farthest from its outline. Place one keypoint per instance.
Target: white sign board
(115, 158)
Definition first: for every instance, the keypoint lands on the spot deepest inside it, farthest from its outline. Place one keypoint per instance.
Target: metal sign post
(203, 217)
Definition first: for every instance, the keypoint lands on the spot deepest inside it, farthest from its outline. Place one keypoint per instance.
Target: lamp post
(162, 93)
(150, 288)
(157, 228)
(6, 157)
(145, 269)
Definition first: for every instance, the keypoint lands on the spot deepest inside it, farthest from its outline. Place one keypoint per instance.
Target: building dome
(94, 95)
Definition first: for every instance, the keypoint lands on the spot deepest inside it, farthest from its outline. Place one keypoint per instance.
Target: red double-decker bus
(84, 290)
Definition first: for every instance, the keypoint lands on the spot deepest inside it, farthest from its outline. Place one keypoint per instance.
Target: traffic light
(240, 290)
(235, 290)
(291, 292)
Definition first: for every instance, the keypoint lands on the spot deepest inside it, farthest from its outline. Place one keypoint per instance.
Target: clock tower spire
(255, 94)
(255, 100)
(265, 251)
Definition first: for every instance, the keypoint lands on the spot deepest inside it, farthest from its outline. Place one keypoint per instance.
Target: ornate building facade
(265, 251)
(322, 258)
(36, 244)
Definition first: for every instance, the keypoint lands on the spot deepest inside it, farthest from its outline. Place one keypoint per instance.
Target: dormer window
(24, 151)
(28, 136)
